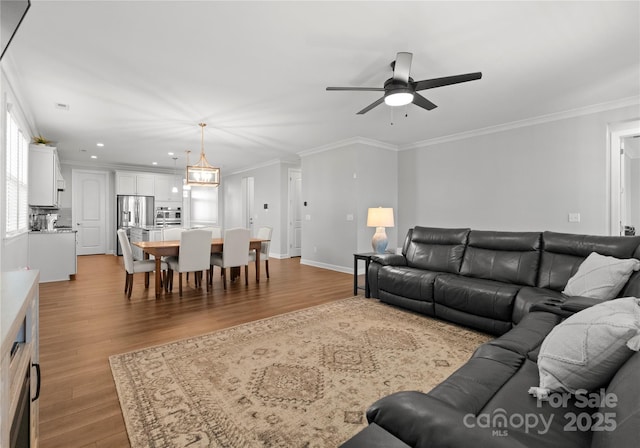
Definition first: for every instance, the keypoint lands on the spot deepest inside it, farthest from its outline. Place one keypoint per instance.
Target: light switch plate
(574, 217)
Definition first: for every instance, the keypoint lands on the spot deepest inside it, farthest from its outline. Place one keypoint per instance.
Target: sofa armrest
(575, 304)
(422, 421)
(567, 307)
(389, 259)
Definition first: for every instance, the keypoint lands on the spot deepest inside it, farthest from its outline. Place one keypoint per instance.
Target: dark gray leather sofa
(508, 284)
(487, 280)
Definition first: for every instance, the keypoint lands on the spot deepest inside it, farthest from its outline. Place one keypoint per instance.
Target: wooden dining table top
(171, 247)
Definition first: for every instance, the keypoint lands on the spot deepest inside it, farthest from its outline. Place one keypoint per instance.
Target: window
(16, 179)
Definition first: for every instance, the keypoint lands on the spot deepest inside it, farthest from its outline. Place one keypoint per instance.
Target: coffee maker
(51, 220)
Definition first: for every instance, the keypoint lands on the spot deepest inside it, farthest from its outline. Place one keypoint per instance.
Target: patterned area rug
(303, 379)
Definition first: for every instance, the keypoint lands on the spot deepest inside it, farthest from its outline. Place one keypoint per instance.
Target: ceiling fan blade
(447, 80)
(402, 67)
(371, 106)
(360, 89)
(421, 101)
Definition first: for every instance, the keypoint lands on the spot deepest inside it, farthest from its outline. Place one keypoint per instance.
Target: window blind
(17, 173)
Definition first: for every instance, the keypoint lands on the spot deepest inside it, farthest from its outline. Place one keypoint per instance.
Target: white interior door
(295, 213)
(617, 199)
(89, 211)
(247, 203)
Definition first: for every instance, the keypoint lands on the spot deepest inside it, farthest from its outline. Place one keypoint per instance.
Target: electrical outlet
(574, 217)
(349, 217)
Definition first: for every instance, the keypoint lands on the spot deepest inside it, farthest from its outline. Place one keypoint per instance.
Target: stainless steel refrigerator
(133, 211)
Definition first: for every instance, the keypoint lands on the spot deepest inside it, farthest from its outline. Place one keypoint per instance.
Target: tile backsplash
(37, 217)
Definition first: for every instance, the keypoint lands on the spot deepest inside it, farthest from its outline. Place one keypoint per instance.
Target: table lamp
(380, 218)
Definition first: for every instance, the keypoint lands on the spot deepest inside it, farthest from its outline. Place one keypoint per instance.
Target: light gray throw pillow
(587, 349)
(601, 277)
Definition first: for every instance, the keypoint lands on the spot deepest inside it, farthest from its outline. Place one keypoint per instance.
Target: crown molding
(256, 167)
(348, 142)
(114, 167)
(595, 108)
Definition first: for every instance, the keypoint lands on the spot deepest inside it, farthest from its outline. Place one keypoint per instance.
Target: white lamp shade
(380, 217)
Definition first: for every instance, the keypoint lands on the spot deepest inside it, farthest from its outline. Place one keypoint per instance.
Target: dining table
(169, 248)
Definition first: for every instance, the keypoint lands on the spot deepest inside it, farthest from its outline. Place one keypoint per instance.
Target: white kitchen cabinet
(54, 254)
(164, 186)
(19, 357)
(45, 178)
(130, 182)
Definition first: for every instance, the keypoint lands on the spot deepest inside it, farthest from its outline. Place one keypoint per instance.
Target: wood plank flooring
(83, 322)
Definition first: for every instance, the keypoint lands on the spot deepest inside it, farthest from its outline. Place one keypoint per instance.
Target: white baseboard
(332, 267)
(279, 256)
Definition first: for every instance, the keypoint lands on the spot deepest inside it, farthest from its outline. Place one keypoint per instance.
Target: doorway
(247, 202)
(89, 211)
(624, 163)
(295, 213)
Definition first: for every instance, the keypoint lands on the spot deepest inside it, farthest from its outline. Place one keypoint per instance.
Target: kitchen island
(53, 252)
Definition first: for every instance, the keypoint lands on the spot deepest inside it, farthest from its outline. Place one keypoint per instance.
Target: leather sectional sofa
(509, 284)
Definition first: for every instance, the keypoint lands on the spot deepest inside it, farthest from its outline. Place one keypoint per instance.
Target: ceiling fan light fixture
(398, 98)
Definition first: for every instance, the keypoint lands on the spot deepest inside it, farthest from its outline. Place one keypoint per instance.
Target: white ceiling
(139, 75)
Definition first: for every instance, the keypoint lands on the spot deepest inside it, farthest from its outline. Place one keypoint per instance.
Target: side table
(366, 257)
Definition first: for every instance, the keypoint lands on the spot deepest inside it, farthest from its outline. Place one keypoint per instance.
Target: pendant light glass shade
(202, 173)
(175, 188)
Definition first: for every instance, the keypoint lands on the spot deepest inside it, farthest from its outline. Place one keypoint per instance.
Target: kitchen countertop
(53, 231)
(16, 288)
(154, 227)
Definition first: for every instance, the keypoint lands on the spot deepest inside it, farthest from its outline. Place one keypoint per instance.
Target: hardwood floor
(83, 322)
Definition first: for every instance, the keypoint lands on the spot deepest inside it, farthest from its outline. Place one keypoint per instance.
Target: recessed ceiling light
(94, 157)
(154, 163)
(100, 145)
(170, 153)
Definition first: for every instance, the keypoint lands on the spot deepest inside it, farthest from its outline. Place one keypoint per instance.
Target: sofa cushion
(480, 297)
(422, 421)
(522, 419)
(562, 254)
(528, 334)
(407, 282)
(601, 277)
(625, 387)
(510, 257)
(586, 349)
(436, 249)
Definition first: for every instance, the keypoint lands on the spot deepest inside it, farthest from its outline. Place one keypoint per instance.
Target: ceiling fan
(401, 89)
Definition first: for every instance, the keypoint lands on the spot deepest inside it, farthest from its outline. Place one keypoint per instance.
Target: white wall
(270, 187)
(527, 178)
(343, 181)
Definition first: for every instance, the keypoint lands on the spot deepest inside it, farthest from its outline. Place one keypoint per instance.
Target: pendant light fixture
(175, 187)
(202, 173)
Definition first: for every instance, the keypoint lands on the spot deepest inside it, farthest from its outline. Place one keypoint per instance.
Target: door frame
(290, 210)
(247, 185)
(108, 242)
(615, 133)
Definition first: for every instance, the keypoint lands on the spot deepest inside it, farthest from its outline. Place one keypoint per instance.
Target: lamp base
(379, 241)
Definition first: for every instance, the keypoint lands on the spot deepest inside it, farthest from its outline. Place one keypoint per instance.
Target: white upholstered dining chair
(171, 233)
(132, 266)
(264, 233)
(193, 256)
(235, 253)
